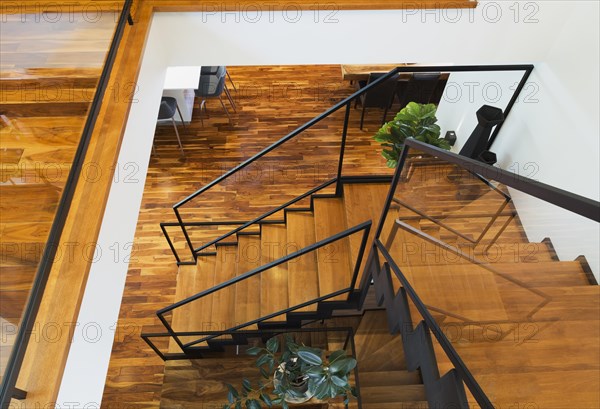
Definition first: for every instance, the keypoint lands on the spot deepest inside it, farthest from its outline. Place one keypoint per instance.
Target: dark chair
(422, 87)
(212, 86)
(212, 70)
(381, 96)
(168, 107)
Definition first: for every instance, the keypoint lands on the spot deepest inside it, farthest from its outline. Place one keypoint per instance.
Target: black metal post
(512, 102)
(339, 186)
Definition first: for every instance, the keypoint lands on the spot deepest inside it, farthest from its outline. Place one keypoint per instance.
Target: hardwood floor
(272, 101)
(46, 360)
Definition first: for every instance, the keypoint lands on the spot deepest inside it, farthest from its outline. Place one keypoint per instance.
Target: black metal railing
(448, 389)
(245, 338)
(338, 180)
(9, 391)
(322, 308)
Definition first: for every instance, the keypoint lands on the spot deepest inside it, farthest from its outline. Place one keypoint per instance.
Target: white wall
(563, 44)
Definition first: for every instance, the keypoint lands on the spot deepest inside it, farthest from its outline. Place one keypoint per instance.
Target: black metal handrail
(8, 390)
(364, 227)
(444, 342)
(575, 203)
(347, 102)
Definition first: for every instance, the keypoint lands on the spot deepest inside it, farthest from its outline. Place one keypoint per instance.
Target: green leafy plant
(292, 372)
(413, 121)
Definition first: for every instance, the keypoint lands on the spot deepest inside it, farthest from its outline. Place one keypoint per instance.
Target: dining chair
(381, 96)
(168, 107)
(212, 86)
(212, 70)
(422, 88)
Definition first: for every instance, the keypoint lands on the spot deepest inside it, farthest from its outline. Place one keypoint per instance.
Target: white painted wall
(563, 43)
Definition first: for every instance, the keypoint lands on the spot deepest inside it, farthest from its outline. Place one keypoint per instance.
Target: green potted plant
(295, 374)
(413, 121)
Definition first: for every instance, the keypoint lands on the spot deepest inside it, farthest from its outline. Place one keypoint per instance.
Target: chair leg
(385, 112)
(202, 103)
(181, 116)
(205, 108)
(362, 117)
(225, 109)
(230, 80)
(230, 99)
(178, 138)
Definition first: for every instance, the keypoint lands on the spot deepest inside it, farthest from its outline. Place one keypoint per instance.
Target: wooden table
(358, 72)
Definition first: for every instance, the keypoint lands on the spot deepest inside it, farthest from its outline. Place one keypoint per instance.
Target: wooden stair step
(389, 378)
(363, 202)
(514, 252)
(197, 315)
(547, 274)
(38, 202)
(396, 393)
(396, 405)
(303, 284)
(247, 292)
(23, 242)
(223, 301)
(48, 96)
(46, 84)
(333, 260)
(274, 281)
(376, 349)
(76, 108)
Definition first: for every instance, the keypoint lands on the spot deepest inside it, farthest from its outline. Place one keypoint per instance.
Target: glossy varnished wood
(265, 113)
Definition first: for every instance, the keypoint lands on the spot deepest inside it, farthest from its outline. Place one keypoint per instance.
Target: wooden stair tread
(363, 202)
(223, 301)
(197, 315)
(37, 201)
(389, 378)
(302, 272)
(396, 405)
(247, 292)
(274, 281)
(376, 349)
(335, 266)
(396, 393)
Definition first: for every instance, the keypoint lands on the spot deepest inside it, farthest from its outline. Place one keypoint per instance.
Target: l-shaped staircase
(478, 311)
(306, 279)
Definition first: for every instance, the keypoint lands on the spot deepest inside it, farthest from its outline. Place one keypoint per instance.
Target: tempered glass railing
(285, 170)
(507, 268)
(54, 57)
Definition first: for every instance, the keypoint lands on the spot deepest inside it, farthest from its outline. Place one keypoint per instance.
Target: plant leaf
(247, 385)
(263, 359)
(309, 356)
(254, 351)
(273, 345)
(341, 382)
(266, 399)
(252, 404)
(342, 366)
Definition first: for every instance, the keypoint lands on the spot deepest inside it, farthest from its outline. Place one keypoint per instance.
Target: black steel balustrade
(448, 390)
(323, 308)
(8, 390)
(340, 178)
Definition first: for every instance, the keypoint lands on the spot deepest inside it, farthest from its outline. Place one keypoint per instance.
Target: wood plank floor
(272, 101)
